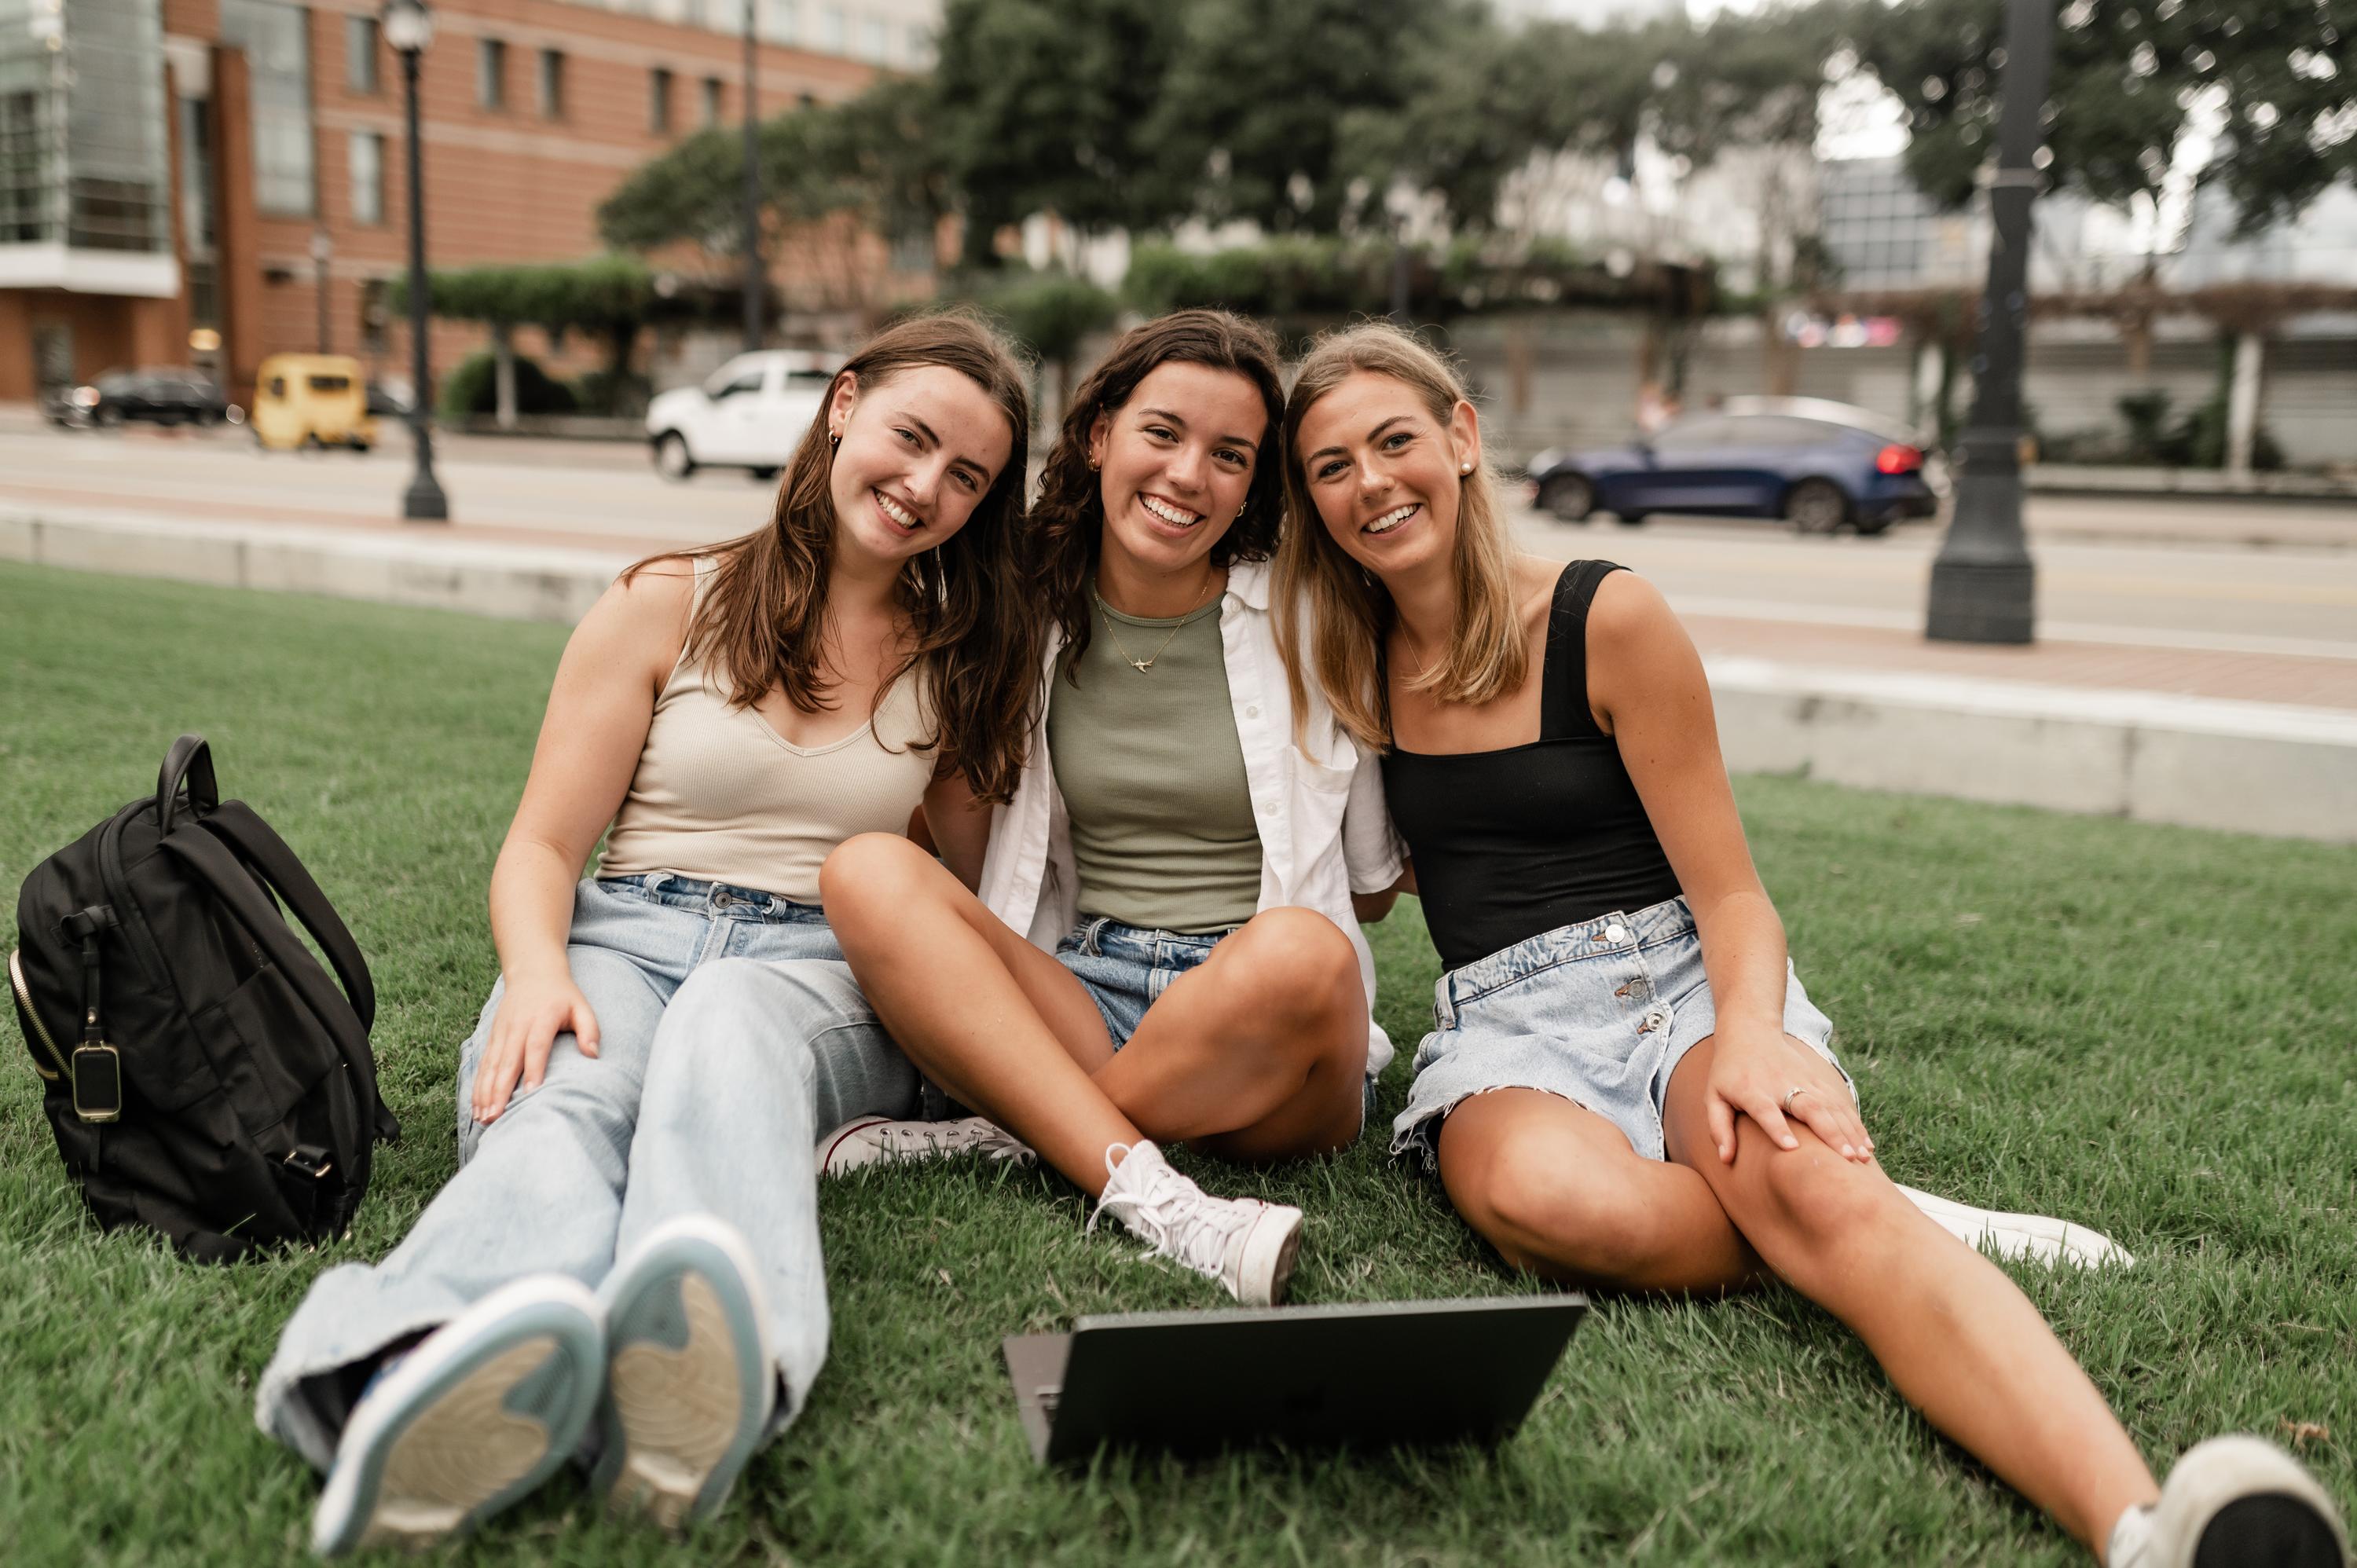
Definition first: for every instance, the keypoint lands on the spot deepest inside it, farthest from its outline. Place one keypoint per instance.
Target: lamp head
(408, 25)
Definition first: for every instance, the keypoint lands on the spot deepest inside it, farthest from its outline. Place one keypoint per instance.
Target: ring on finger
(1785, 1104)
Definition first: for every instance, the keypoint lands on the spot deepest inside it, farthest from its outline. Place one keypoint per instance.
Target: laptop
(1353, 1376)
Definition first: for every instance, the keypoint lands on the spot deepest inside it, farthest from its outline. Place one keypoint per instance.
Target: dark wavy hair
(1068, 519)
(762, 622)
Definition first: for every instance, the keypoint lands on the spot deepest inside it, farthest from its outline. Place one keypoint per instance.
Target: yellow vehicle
(312, 400)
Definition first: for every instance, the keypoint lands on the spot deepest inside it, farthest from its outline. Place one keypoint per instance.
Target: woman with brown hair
(639, 1103)
(1627, 1086)
(1163, 944)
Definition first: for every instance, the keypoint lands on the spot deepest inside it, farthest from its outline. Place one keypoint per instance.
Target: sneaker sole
(441, 1445)
(686, 1377)
(2244, 1503)
(2033, 1236)
(1269, 1252)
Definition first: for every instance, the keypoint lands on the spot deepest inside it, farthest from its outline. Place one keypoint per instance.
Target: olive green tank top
(1153, 776)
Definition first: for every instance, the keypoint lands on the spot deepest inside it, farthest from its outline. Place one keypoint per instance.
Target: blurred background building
(212, 181)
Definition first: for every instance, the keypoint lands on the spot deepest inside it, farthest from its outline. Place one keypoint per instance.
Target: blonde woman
(1627, 1086)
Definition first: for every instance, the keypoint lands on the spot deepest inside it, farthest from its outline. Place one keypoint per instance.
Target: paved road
(2126, 572)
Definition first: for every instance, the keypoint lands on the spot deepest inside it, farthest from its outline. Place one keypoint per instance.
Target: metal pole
(424, 501)
(1983, 585)
(320, 252)
(752, 197)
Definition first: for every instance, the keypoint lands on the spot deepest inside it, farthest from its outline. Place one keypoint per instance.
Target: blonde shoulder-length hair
(1335, 615)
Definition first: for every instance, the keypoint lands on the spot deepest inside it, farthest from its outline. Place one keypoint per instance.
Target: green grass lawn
(2147, 1030)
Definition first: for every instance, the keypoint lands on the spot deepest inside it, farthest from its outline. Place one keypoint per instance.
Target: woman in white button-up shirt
(1039, 1002)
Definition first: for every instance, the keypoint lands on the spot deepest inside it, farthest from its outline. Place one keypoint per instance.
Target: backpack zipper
(32, 1017)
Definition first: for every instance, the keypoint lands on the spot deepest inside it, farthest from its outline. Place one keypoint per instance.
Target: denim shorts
(1599, 1012)
(1125, 967)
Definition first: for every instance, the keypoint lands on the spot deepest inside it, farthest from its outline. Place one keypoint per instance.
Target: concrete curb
(2258, 767)
(2253, 768)
(508, 582)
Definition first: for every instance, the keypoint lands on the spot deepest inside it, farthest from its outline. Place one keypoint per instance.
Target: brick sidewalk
(2099, 666)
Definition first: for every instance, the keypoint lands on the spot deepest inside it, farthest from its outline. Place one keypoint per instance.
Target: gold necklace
(1143, 665)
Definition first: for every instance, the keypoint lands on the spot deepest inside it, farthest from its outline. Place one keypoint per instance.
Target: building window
(360, 55)
(871, 38)
(659, 101)
(551, 84)
(711, 101)
(830, 29)
(491, 73)
(367, 157)
(777, 21)
(274, 38)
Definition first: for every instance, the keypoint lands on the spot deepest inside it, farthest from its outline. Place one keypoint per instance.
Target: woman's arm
(960, 825)
(1646, 682)
(599, 711)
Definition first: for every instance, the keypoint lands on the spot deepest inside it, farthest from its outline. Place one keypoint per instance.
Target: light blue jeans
(730, 1034)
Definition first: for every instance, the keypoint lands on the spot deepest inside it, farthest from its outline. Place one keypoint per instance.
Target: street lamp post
(752, 197)
(1983, 585)
(323, 250)
(409, 29)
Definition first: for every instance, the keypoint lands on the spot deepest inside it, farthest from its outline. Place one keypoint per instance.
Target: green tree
(608, 297)
(2131, 80)
(1047, 106)
(1253, 107)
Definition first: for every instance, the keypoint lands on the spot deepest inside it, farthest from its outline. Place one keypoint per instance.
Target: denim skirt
(1599, 1012)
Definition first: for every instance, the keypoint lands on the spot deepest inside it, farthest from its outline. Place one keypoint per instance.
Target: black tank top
(1512, 843)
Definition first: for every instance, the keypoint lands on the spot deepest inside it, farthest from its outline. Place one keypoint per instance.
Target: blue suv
(1820, 466)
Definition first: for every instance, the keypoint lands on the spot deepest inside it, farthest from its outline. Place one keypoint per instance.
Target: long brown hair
(1068, 519)
(763, 623)
(1347, 610)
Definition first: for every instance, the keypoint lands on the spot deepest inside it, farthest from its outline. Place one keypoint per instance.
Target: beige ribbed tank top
(719, 795)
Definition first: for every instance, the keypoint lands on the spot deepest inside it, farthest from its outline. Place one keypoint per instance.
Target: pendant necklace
(1143, 665)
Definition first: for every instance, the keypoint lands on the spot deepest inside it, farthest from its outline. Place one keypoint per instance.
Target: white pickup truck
(748, 415)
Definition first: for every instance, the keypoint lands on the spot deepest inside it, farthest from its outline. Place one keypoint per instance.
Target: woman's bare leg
(998, 1023)
(1258, 1053)
(1960, 1342)
(1558, 1191)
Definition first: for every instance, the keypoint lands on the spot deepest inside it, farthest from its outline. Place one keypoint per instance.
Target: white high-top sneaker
(2032, 1236)
(2232, 1502)
(1246, 1244)
(877, 1139)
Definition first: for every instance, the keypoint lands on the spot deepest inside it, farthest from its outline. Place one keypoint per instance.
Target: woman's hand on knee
(533, 1011)
(1773, 1079)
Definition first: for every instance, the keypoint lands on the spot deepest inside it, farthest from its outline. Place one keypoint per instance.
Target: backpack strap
(260, 847)
(242, 894)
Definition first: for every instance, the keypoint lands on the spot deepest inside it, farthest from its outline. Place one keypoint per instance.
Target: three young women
(1627, 1086)
(640, 1101)
(1163, 944)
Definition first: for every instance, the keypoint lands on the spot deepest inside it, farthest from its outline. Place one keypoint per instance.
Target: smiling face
(1385, 475)
(919, 451)
(1176, 464)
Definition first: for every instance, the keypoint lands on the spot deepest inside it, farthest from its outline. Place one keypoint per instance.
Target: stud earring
(834, 440)
(1465, 467)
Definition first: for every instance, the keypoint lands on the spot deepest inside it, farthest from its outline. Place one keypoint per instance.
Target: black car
(164, 396)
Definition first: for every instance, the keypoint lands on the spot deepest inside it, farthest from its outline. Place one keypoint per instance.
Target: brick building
(180, 179)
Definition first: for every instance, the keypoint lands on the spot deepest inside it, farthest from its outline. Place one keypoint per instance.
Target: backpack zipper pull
(97, 1066)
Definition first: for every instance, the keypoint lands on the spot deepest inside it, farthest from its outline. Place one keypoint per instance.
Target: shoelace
(1195, 1237)
(950, 1138)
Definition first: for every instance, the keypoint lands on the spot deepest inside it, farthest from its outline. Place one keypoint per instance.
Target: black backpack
(204, 1077)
